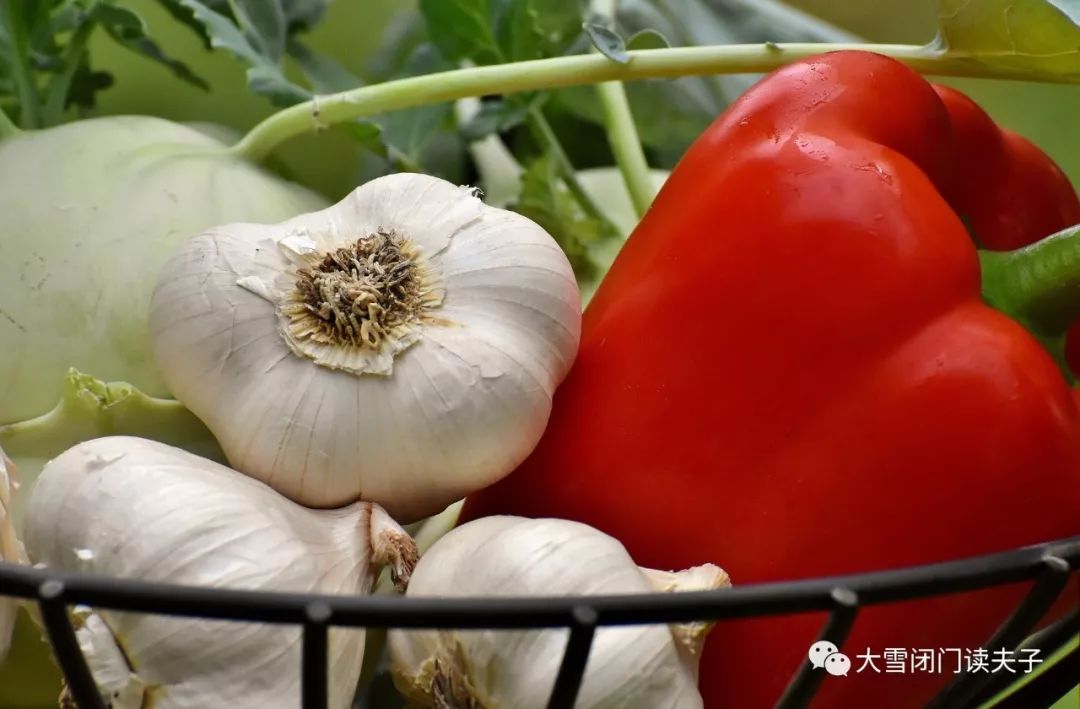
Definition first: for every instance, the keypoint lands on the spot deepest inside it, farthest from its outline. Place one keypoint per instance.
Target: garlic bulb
(401, 346)
(11, 550)
(133, 508)
(651, 667)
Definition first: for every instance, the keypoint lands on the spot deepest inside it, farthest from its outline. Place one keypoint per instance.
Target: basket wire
(1049, 565)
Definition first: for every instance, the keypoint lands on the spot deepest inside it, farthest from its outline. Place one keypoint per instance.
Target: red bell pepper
(789, 371)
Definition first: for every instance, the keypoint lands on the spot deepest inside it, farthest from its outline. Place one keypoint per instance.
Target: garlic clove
(11, 549)
(707, 577)
(284, 341)
(115, 679)
(524, 320)
(133, 508)
(632, 666)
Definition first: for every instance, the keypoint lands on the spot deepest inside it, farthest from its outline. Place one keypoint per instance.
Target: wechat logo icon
(825, 655)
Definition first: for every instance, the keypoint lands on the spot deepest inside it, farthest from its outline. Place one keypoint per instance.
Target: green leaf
(516, 32)
(264, 75)
(260, 34)
(19, 26)
(1023, 38)
(325, 74)
(86, 84)
(41, 17)
(328, 76)
(462, 29)
(669, 114)
(610, 44)
(263, 24)
(90, 408)
(5, 50)
(183, 15)
(501, 115)
(128, 29)
(368, 134)
(405, 32)
(496, 31)
(407, 51)
(422, 139)
(269, 81)
(648, 39)
(532, 29)
(408, 134)
(302, 15)
(547, 201)
(222, 32)
(558, 23)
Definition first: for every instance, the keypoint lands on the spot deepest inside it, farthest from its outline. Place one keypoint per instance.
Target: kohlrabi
(92, 210)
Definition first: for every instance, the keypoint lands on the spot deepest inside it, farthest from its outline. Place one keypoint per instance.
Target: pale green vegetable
(92, 210)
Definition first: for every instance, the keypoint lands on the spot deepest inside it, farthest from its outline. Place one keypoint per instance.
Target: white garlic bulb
(651, 667)
(132, 508)
(401, 346)
(11, 550)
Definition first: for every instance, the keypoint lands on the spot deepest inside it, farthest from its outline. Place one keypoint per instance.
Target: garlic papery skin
(11, 549)
(132, 508)
(629, 666)
(115, 678)
(401, 346)
(690, 636)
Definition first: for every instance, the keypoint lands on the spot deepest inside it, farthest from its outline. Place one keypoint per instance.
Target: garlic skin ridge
(651, 667)
(455, 395)
(132, 508)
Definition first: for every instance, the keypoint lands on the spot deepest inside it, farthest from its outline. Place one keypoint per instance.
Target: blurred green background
(352, 30)
(333, 163)
(327, 162)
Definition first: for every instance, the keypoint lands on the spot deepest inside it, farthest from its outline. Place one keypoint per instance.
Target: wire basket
(1049, 565)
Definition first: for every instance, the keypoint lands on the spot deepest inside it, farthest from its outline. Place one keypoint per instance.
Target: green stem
(622, 132)
(1037, 284)
(56, 97)
(7, 127)
(626, 145)
(544, 133)
(25, 88)
(580, 70)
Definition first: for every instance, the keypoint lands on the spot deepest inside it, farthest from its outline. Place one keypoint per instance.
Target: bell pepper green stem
(582, 69)
(1038, 284)
(22, 76)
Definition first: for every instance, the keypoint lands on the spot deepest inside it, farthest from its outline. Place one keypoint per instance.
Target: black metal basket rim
(774, 598)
